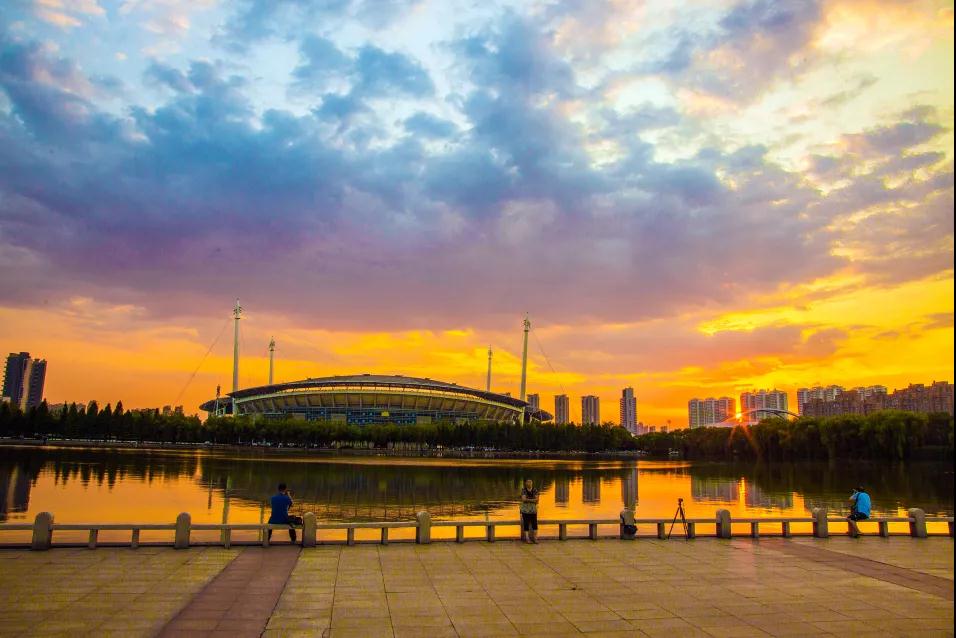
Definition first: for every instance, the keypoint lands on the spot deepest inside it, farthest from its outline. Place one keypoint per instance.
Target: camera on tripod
(683, 519)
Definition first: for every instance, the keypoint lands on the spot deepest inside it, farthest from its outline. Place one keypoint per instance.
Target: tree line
(90, 421)
(888, 434)
(115, 423)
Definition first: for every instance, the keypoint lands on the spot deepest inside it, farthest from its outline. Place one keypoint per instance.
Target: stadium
(369, 399)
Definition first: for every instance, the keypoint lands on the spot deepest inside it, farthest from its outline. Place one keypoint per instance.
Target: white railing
(43, 528)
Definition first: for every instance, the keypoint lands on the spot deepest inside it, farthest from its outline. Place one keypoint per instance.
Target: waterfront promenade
(704, 587)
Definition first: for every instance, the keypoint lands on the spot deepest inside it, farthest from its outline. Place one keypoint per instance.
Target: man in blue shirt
(281, 503)
(859, 505)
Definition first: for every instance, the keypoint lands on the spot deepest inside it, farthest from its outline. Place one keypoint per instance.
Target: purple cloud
(344, 216)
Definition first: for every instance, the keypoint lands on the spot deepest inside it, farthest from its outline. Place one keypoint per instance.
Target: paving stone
(648, 588)
(109, 591)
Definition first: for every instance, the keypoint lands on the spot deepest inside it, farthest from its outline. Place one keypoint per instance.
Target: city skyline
(29, 374)
(757, 197)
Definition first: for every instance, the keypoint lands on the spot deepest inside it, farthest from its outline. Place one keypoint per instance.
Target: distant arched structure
(774, 411)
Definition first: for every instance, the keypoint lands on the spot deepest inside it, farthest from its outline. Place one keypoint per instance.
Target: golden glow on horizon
(891, 335)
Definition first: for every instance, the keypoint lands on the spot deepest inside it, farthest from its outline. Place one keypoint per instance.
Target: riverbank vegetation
(117, 424)
(888, 434)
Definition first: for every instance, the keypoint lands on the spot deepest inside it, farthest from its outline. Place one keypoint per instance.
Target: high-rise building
(590, 410)
(823, 393)
(13, 376)
(710, 411)
(871, 391)
(36, 378)
(562, 409)
(753, 404)
(628, 404)
(917, 397)
(23, 380)
(534, 401)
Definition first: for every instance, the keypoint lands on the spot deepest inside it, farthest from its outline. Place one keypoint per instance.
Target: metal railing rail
(43, 528)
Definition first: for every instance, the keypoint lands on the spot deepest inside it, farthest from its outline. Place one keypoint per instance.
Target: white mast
(272, 356)
(488, 382)
(524, 358)
(235, 354)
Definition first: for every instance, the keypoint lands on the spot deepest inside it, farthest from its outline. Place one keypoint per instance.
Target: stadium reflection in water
(82, 485)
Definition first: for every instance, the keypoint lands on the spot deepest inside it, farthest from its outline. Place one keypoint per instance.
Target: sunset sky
(693, 200)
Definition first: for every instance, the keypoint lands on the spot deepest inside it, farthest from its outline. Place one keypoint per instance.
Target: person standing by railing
(529, 512)
(281, 503)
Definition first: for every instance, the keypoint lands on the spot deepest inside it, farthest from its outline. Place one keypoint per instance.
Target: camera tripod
(683, 518)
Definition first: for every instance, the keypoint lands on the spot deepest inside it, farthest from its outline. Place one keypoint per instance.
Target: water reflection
(759, 498)
(562, 489)
(629, 489)
(215, 486)
(708, 488)
(14, 489)
(591, 488)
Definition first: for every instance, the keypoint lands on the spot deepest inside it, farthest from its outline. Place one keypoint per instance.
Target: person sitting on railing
(529, 512)
(281, 503)
(859, 505)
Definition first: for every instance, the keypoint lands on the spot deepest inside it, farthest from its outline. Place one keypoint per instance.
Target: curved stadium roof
(348, 391)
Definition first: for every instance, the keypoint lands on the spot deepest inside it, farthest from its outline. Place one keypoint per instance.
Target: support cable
(551, 367)
(547, 360)
(201, 361)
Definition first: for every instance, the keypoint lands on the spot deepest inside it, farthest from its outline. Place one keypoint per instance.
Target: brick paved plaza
(704, 587)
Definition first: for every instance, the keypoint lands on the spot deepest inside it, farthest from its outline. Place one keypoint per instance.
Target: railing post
(42, 531)
(593, 531)
(134, 539)
(884, 529)
(785, 529)
(490, 533)
(308, 529)
(227, 538)
(950, 523)
(917, 522)
(821, 527)
(754, 529)
(723, 524)
(459, 533)
(350, 536)
(183, 524)
(94, 536)
(384, 539)
(627, 518)
(562, 531)
(423, 531)
(661, 530)
(691, 530)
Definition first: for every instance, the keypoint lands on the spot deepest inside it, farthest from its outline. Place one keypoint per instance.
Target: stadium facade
(368, 399)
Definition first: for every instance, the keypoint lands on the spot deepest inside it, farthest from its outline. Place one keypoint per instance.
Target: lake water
(82, 485)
